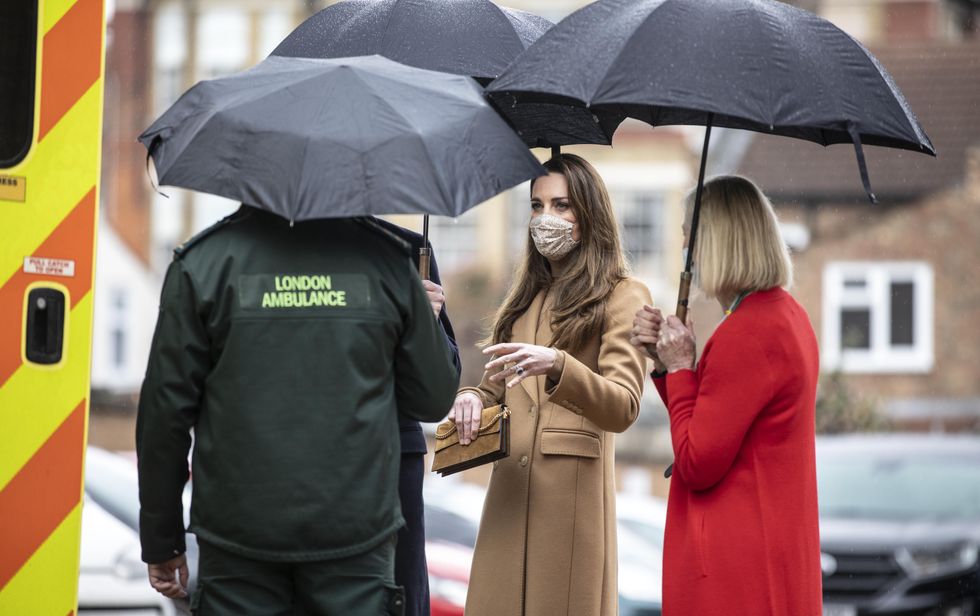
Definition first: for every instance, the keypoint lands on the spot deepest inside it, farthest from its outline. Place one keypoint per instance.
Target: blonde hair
(739, 247)
(594, 269)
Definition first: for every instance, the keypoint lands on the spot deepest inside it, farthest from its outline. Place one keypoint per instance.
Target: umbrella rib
(619, 54)
(381, 40)
(769, 89)
(513, 30)
(438, 178)
(896, 96)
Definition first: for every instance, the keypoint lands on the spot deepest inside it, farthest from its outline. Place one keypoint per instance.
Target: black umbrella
(465, 37)
(759, 65)
(308, 138)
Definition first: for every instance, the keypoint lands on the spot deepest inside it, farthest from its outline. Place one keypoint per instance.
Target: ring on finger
(519, 370)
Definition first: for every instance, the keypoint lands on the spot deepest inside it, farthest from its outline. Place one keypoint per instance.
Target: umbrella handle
(683, 293)
(424, 262)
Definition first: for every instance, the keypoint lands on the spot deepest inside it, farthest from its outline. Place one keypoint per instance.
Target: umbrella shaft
(424, 251)
(697, 195)
(682, 296)
(424, 263)
(685, 289)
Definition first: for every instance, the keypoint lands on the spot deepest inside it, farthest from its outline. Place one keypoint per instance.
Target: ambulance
(51, 96)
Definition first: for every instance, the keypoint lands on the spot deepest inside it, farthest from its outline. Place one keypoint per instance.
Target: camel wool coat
(547, 540)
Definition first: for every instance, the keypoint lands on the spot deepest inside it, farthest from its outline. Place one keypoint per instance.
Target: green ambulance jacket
(287, 349)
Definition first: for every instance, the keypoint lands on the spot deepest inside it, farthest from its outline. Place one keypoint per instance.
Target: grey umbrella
(477, 38)
(759, 65)
(308, 138)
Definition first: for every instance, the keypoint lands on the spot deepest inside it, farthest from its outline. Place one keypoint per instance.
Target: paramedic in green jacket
(288, 350)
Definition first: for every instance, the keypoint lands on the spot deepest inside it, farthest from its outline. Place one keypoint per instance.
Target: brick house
(892, 289)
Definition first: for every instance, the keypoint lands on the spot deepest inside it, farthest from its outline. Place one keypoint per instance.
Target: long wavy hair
(594, 268)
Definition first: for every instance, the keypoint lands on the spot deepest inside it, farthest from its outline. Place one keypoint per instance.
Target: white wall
(127, 298)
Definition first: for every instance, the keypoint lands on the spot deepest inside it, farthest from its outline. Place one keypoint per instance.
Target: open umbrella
(477, 38)
(308, 138)
(758, 65)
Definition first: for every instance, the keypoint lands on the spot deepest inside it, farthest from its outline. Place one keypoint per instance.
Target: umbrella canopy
(308, 138)
(465, 37)
(759, 65)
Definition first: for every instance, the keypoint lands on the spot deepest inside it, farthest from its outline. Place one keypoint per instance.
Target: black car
(900, 524)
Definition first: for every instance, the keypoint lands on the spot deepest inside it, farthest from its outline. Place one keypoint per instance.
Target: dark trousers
(411, 571)
(361, 585)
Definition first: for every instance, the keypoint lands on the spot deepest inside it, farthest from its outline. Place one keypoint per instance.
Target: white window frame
(630, 207)
(881, 357)
(456, 241)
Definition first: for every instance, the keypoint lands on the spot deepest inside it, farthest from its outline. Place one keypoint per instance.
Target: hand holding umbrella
(676, 346)
(647, 325)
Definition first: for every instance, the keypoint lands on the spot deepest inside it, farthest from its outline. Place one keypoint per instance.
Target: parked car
(452, 517)
(900, 524)
(111, 485)
(449, 575)
(640, 528)
(112, 578)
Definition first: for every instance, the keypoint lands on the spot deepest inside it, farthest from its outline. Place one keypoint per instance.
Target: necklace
(738, 300)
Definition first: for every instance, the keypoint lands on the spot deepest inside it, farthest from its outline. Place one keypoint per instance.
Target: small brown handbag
(492, 444)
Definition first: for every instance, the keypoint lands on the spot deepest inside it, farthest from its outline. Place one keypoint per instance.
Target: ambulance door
(51, 86)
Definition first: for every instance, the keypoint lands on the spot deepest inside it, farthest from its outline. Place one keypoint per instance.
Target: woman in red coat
(742, 533)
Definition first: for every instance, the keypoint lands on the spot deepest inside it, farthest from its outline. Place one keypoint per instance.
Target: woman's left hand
(676, 347)
(528, 360)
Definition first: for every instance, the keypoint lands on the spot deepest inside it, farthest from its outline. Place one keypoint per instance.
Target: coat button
(532, 409)
(523, 460)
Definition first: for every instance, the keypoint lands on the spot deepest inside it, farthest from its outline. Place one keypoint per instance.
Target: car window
(902, 485)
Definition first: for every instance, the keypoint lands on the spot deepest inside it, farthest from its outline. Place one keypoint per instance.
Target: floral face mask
(552, 236)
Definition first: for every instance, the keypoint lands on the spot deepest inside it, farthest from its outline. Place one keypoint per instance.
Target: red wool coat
(742, 533)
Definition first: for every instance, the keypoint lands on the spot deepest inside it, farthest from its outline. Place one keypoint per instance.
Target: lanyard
(738, 300)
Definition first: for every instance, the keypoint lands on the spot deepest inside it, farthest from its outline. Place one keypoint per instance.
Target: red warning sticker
(49, 267)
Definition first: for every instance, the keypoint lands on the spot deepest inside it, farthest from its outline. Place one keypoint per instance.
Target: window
(877, 317)
(18, 50)
(642, 217)
(455, 241)
(170, 54)
(118, 331)
(223, 36)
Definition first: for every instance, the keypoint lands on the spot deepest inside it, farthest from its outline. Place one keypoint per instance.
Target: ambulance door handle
(45, 335)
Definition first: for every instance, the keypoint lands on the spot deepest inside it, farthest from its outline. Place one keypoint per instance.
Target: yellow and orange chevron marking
(44, 409)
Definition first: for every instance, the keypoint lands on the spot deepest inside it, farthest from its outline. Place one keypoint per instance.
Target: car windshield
(899, 485)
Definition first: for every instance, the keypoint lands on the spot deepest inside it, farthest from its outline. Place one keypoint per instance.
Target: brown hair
(594, 268)
(739, 246)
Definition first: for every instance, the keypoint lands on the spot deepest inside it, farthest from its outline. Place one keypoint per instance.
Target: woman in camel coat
(562, 363)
